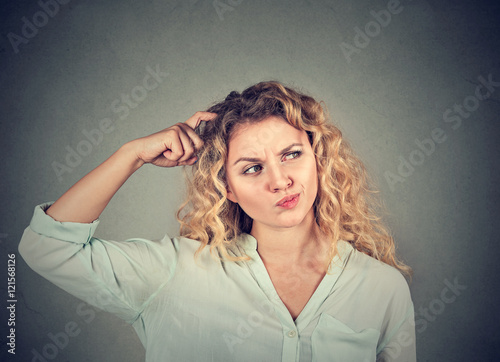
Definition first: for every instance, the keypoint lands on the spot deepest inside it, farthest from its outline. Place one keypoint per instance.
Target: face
(271, 173)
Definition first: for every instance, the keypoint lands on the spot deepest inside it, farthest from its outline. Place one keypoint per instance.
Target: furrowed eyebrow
(253, 159)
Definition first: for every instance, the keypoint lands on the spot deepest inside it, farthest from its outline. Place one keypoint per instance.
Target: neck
(298, 245)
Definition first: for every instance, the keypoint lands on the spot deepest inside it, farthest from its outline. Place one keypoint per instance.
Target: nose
(278, 178)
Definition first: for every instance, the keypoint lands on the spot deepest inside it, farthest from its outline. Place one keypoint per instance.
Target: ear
(230, 196)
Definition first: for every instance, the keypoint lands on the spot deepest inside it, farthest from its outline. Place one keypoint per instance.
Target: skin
(278, 161)
(289, 241)
(261, 173)
(173, 146)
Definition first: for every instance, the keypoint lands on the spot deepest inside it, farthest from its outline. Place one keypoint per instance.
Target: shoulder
(190, 251)
(374, 276)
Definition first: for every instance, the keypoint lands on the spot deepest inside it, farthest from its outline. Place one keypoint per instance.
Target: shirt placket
(290, 351)
(290, 328)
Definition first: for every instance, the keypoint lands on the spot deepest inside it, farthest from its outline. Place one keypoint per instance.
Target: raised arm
(173, 146)
(117, 276)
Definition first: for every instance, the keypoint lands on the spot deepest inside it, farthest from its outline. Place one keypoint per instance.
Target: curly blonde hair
(345, 207)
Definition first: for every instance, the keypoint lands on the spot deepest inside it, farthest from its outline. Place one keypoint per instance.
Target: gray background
(393, 91)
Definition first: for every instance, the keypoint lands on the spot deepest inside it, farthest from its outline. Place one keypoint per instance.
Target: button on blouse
(217, 310)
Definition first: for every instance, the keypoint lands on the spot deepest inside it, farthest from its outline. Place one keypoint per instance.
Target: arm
(118, 277)
(402, 346)
(174, 146)
(86, 200)
(399, 341)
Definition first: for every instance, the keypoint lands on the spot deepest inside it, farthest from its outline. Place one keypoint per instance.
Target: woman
(281, 256)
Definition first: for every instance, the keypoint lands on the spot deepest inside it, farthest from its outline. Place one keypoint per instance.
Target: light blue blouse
(213, 310)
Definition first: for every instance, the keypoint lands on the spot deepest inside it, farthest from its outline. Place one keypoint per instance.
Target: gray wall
(411, 79)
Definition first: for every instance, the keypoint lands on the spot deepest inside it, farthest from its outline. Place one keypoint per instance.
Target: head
(256, 117)
(261, 122)
(271, 174)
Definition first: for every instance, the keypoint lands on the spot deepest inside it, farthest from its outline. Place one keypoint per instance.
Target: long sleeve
(399, 342)
(119, 277)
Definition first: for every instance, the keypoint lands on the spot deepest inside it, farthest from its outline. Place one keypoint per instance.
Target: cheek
(309, 174)
(231, 188)
(312, 182)
(243, 192)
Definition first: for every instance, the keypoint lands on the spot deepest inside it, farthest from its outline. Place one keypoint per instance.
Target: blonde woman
(282, 256)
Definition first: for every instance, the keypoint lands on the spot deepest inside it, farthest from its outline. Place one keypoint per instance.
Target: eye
(292, 155)
(252, 169)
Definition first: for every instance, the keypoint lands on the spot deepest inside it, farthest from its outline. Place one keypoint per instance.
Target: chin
(291, 222)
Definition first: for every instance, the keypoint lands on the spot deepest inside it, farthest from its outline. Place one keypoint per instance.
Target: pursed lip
(286, 198)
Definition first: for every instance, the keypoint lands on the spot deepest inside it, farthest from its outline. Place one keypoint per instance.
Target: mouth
(288, 202)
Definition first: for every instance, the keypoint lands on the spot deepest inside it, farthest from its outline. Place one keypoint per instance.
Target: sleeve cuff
(43, 224)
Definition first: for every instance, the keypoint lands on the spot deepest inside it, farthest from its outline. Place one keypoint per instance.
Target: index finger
(195, 120)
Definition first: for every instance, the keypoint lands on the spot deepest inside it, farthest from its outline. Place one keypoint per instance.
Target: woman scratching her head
(259, 119)
(282, 255)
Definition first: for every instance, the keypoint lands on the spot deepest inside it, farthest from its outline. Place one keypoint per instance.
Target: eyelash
(298, 153)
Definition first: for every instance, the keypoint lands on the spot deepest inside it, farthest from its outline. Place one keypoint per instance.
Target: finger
(195, 120)
(187, 145)
(174, 149)
(189, 162)
(196, 141)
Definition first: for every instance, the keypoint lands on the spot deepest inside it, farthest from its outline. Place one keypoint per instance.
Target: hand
(173, 146)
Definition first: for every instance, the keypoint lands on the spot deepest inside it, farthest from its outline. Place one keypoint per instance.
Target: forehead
(272, 133)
